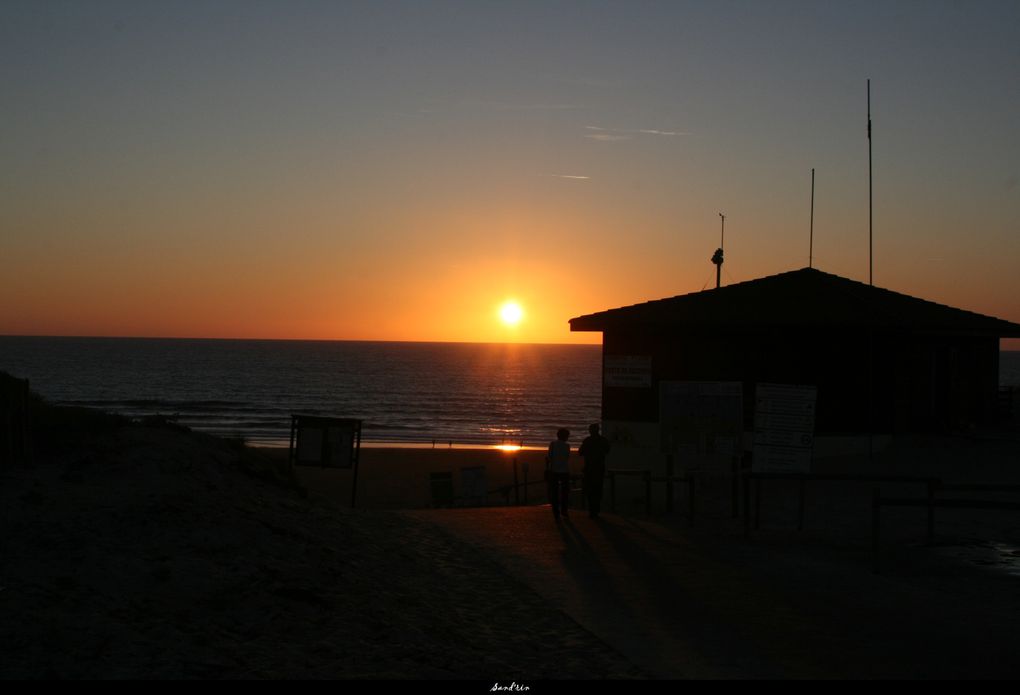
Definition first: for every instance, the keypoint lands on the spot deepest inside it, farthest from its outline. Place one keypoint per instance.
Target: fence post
(669, 482)
(690, 499)
(800, 510)
(735, 472)
(757, 503)
(517, 487)
(612, 490)
(876, 505)
(648, 492)
(747, 504)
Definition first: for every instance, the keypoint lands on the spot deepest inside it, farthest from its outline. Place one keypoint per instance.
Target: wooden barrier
(687, 478)
(804, 478)
(517, 486)
(931, 502)
(645, 475)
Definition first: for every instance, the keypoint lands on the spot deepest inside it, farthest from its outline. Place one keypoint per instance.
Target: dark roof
(802, 298)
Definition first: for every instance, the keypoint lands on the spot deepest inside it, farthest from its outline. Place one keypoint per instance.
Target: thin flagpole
(871, 281)
(811, 242)
(871, 270)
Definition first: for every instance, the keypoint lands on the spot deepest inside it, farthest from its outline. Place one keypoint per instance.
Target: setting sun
(511, 313)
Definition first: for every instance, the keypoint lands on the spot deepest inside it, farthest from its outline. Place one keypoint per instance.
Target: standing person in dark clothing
(557, 472)
(593, 450)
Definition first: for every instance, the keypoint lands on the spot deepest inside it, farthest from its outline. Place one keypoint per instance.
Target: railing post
(669, 482)
(876, 504)
(800, 509)
(648, 492)
(517, 487)
(690, 499)
(747, 505)
(757, 503)
(735, 473)
(612, 490)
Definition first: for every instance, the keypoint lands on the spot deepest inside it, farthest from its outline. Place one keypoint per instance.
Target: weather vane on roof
(717, 257)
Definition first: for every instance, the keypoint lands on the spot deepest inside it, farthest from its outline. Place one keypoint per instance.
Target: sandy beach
(399, 478)
(152, 552)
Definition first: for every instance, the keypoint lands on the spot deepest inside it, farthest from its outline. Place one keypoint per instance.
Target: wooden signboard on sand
(327, 442)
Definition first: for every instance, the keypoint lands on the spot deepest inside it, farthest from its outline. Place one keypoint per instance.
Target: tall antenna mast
(811, 241)
(717, 257)
(871, 281)
(871, 272)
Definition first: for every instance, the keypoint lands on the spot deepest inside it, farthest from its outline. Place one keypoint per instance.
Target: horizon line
(292, 340)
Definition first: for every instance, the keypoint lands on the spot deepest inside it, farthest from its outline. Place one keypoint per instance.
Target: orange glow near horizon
(451, 301)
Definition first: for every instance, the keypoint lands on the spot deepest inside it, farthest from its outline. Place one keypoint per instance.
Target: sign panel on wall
(784, 428)
(628, 371)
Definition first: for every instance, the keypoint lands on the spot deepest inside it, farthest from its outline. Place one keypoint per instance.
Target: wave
(403, 392)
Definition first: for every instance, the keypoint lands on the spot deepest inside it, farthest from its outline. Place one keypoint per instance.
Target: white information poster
(784, 428)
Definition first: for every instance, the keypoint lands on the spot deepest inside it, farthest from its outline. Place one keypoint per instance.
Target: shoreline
(416, 446)
(402, 478)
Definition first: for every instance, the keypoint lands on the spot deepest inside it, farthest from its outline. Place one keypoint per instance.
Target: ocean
(405, 393)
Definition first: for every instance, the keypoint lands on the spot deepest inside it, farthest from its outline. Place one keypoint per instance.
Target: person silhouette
(557, 468)
(594, 450)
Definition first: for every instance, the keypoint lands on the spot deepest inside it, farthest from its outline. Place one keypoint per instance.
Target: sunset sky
(400, 170)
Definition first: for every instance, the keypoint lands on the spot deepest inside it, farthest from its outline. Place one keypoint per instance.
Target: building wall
(881, 383)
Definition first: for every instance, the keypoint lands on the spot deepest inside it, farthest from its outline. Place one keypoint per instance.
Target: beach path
(686, 603)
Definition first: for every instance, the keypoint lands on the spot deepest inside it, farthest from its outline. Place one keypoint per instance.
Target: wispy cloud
(613, 134)
(570, 176)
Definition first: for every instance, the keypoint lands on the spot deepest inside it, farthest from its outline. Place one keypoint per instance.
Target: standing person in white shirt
(557, 469)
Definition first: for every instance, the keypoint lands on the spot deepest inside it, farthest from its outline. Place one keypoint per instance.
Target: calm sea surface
(404, 392)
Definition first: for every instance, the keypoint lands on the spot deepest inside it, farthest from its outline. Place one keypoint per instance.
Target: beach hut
(881, 361)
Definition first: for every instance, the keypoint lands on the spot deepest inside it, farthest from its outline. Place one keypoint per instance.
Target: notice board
(784, 428)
